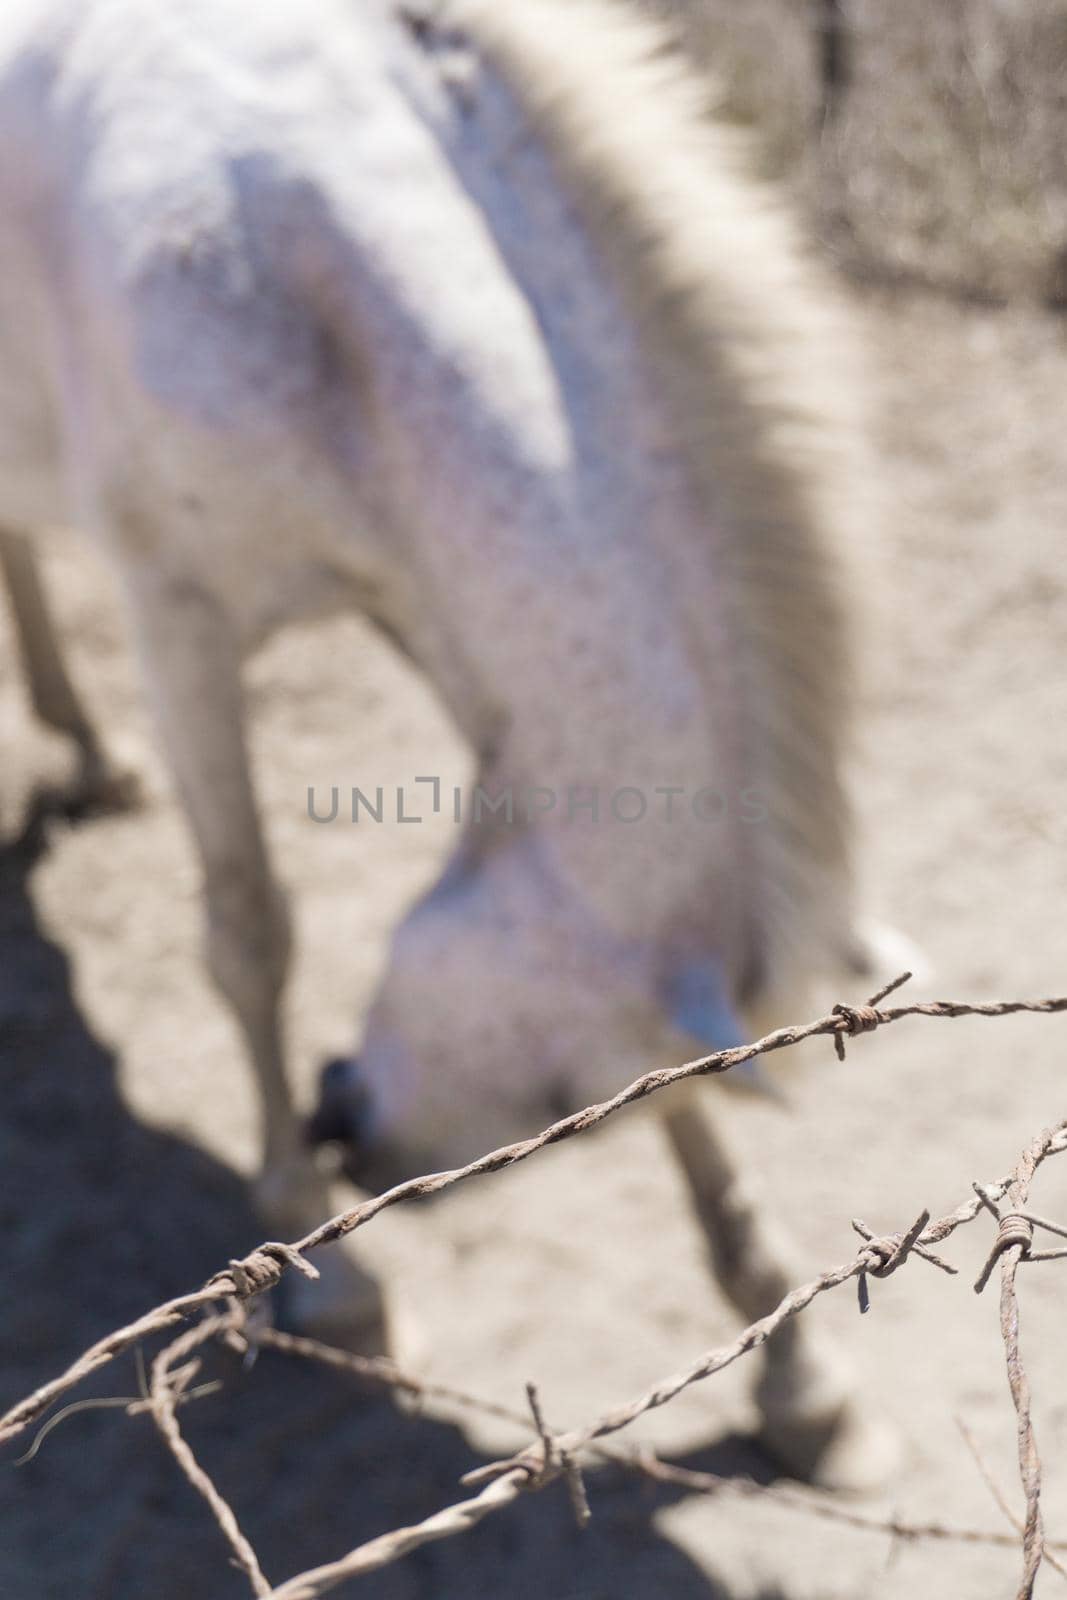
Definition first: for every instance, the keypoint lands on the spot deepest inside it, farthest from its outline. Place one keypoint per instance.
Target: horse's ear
(698, 1005)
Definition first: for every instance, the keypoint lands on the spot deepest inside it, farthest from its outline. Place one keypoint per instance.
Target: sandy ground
(128, 1117)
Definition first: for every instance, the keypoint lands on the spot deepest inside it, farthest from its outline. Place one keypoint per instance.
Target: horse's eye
(559, 1101)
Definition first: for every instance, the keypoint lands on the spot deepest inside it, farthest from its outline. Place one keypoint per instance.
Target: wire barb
(262, 1269)
(1015, 1230)
(855, 1020)
(887, 1253)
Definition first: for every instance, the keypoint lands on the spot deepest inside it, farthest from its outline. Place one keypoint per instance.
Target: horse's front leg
(99, 785)
(811, 1419)
(192, 665)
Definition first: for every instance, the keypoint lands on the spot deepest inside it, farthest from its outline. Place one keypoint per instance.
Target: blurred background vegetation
(927, 137)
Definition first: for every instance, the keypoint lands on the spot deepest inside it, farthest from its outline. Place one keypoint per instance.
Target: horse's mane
(755, 366)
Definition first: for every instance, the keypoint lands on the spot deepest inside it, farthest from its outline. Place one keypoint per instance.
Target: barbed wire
(265, 1266)
(229, 1295)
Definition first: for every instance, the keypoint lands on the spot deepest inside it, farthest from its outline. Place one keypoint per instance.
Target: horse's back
(165, 374)
(221, 227)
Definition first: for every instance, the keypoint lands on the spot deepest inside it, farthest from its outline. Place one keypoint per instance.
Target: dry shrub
(945, 159)
(765, 61)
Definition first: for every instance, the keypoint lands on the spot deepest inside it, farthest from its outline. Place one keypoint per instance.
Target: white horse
(465, 317)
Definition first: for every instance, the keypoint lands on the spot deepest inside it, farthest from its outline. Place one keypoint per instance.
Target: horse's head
(506, 1006)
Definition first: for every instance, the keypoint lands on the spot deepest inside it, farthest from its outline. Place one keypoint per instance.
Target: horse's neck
(563, 596)
(535, 440)
(706, 377)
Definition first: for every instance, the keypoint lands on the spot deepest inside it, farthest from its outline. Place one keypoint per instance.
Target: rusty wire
(1013, 1245)
(382, 1372)
(227, 1295)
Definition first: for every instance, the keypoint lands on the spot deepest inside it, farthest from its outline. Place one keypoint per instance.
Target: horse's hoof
(99, 790)
(105, 787)
(849, 1450)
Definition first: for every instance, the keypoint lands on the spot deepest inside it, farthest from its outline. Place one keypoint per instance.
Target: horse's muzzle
(344, 1118)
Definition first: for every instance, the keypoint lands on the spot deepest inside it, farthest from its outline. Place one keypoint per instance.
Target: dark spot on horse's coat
(419, 26)
(456, 60)
(418, 17)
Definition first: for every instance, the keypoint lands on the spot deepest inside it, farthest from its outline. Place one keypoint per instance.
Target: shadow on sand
(101, 1217)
